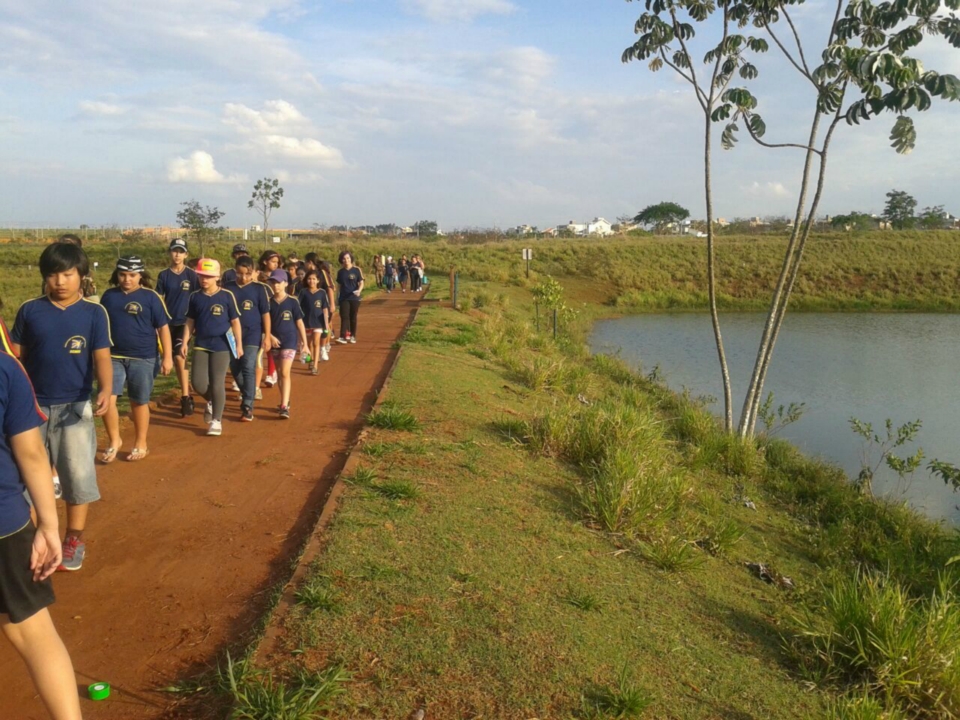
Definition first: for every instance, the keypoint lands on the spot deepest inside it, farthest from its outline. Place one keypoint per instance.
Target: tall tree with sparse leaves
(265, 199)
(899, 209)
(200, 222)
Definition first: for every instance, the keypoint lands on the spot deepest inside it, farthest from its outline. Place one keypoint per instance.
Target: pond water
(864, 365)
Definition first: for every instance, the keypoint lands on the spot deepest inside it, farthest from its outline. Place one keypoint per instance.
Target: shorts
(176, 335)
(317, 331)
(20, 597)
(137, 374)
(71, 440)
(284, 354)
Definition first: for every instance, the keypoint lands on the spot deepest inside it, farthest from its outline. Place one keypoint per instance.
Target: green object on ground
(99, 691)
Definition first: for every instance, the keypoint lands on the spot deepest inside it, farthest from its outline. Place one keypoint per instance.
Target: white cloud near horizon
(198, 168)
(458, 10)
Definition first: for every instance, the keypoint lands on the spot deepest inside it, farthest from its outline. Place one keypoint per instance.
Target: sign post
(528, 256)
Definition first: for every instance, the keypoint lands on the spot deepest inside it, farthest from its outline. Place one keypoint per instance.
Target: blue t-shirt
(135, 318)
(229, 276)
(18, 413)
(283, 321)
(211, 315)
(313, 304)
(57, 345)
(349, 281)
(176, 290)
(253, 300)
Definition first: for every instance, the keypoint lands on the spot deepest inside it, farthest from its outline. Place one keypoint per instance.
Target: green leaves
(903, 137)
(728, 139)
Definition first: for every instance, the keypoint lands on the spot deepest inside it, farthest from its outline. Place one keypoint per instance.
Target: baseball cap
(131, 263)
(279, 276)
(178, 244)
(208, 267)
(238, 248)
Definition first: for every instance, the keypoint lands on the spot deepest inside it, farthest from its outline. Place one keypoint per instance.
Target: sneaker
(284, 412)
(208, 413)
(352, 341)
(342, 341)
(246, 414)
(57, 487)
(216, 428)
(236, 388)
(314, 370)
(186, 406)
(258, 395)
(73, 551)
(324, 353)
(270, 380)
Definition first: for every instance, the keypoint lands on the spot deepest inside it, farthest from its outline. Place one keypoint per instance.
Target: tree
(933, 218)
(899, 210)
(662, 215)
(200, 222)
(265, 199)
(864, 70)
(852, 221)
(425, 228)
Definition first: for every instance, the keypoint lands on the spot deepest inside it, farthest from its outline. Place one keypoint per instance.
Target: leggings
(208, 376)
(415, 281)
(349, 307)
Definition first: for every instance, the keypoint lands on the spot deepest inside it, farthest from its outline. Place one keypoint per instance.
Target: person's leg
(141, 424)
(140, 375)
(283, 368)
(111, 421)
(47, 660)
(271, 370)
(354, 311)
(315, 350)
(246, 375)
(72, 441)
(344, 319)
(219, 361)
(200, 372)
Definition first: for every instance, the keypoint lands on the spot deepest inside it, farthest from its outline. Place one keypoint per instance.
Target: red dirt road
(185, 546)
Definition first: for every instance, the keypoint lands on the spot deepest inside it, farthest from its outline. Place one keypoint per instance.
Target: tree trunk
(712, 280)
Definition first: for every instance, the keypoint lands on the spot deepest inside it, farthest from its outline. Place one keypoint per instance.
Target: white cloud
(276, 116)
(198, 168)
(770, 189)
(95, 107)
(279, 130)
(463, 10)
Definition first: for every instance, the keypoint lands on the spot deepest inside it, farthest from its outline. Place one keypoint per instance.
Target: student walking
(253, 299)
(137, 316)
(403, 270)
(350, 280)
(30, 555)
(316, 314)
(415, 273)
(64, 340)
(230, 274)
(269, 261)
(378, 269)
(211, 314)
(175, 285)
(326, 283)
(389, 274)
(287, 328)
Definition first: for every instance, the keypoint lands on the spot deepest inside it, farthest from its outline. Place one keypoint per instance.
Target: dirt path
(186, 545)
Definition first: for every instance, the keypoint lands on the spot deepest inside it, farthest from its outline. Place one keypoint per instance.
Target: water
(868, 366)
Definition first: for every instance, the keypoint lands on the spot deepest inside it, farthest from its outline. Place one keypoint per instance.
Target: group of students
(63, 340)
(390, 274)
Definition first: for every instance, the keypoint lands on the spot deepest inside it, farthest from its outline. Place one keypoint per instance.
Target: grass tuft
(671, 554)
(582, 600)
(396, 490)
(625, 700)
(512, 428)
(390, 417)
(362, 476)
(317, 594)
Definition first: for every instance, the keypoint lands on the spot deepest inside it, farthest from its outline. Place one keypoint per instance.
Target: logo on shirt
(185, 285)
(318, 303)
(216, 310)
(286, 315)
(76, 344)
(247, 305)
(133, 308)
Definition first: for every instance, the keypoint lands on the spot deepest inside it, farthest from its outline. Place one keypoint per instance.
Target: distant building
(599, 227)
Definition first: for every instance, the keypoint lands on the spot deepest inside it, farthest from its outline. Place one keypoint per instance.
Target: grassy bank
(537, 533)
(889, 271)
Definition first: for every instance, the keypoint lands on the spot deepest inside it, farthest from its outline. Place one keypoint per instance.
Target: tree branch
(796, 36)
(700, 96)
(789, 57)
(759, 141)
(714, 92)
(683, 45)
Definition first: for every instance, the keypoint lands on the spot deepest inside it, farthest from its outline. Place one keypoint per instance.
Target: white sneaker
(208, 414)
(236, 388)
(352, 340)
(270, 379)
(258, 395)
(342, 341)
(324, 353)
(216, 428)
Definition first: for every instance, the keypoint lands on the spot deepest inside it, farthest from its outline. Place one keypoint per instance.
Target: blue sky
(469, 112)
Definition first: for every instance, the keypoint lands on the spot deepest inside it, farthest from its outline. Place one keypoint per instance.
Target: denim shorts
(71, 440)
(137, 374)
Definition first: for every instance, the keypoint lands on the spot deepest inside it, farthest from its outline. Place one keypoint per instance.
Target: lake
(865, 365)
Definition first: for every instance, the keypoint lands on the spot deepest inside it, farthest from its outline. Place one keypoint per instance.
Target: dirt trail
(186, 545)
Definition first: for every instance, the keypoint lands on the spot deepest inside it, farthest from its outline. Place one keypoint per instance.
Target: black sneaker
(284, 412)
(186, 406)
(246, 414)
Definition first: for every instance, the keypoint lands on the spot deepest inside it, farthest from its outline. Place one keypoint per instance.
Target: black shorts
(176, 335)
(20, 596)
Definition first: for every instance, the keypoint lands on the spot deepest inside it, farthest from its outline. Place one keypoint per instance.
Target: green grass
(389, 417)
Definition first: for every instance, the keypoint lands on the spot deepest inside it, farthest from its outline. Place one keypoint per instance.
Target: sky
(472, 113)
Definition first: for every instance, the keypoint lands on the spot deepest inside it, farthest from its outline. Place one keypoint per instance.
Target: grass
(390, 417)
(624, 700)
(581, 600)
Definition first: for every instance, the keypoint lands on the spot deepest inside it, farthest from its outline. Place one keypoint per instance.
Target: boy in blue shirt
(175, 285)
(30, 555)
(62, 341)
(253, 299)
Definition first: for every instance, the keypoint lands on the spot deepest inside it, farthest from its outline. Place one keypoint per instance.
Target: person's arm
(302, 329)
(359, 289)
(265, 343)
(31, 457)
(166, 342)
(103, 367)
(187, 334)
(237, 335)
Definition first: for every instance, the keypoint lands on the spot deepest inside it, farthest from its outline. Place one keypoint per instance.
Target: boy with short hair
(62, 341)
(253, 299)
(30, 555)
(230, 275)
(175, 285)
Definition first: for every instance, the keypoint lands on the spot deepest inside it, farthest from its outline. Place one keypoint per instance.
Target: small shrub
(861, 707)
(258, 695)
(671, 554)
(480, 300)
(721, 535)
(389, 417)
(512, 428)
(362, 476)
(317, 594)
(625, 700)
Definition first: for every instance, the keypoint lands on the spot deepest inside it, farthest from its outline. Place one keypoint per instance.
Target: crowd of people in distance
(253, 321)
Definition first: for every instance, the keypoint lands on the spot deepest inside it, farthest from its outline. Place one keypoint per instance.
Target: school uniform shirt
(283, 321)
(135, 318)
(5, 339)
(391, 270)
(349, 281)
(212, 315)
(229, 276)
(18, 414)
(253, 299)
(176, 289)
(313, 305)
(57, 345)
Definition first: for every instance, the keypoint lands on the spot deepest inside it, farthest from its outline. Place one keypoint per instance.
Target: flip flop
(109, 455)
(137, 454)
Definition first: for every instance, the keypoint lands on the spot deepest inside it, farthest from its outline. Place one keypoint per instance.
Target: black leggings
(349, 307)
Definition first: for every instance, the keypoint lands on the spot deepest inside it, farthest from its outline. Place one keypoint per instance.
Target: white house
(598, 226)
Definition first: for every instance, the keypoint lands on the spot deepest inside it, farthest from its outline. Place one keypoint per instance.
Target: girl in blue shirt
(286, 328)
(138, 316)
(316, 313)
